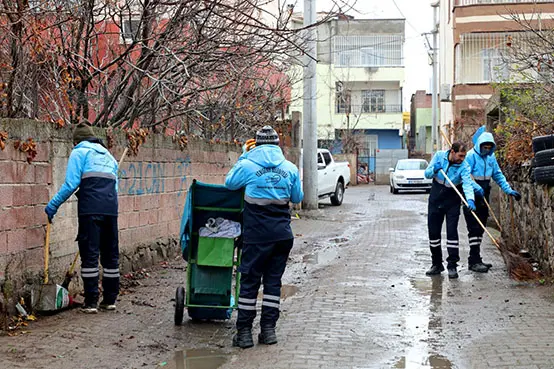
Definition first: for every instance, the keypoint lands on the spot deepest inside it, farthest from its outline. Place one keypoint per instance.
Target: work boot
(243, 338)
(267, 336)
(435, 270)
(107, 306)
(488, 265)
(452, 272)
(479, 268)
(89, 309)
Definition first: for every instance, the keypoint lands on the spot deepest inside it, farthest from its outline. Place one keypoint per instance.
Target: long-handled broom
(517, 266)
(51, 297)
(71, 272)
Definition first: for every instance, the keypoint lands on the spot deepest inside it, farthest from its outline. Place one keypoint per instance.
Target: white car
(409, 174)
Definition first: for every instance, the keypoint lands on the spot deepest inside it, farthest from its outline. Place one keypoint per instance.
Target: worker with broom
(484, 167)
(447, 168)
(93, 170)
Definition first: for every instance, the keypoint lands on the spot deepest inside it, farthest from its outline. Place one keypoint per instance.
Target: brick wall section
(422, 100)
(152, 192)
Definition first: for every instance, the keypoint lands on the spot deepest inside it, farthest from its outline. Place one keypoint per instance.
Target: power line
(403, 16)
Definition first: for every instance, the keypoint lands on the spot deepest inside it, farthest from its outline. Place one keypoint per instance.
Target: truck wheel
(179, 305)
(338, 196)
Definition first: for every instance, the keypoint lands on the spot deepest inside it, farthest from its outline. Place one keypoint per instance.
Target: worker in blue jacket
(445, 202)
(93, 171)
(484, 167)
(271, 183)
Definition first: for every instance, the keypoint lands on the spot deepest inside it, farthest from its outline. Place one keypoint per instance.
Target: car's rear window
(411, 165)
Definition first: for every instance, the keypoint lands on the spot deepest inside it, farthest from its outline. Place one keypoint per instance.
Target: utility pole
(434, 82)
(309, 115)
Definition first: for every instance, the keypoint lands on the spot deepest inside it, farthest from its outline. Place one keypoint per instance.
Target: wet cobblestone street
(355, 296)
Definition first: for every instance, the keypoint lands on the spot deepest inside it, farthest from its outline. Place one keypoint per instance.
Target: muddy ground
(355, 296)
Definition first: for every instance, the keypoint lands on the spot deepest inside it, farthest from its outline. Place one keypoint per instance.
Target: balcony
(483, 58)
(369, 51)
(368, 109)
(487, 2)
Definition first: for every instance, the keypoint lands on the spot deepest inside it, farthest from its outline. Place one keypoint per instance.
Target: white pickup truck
(332, 177)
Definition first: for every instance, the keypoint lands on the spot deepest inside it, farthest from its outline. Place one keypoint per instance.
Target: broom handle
(492, 213)
(123, 156)
(47, 251)
(472, 212)
(72, 268)
(486, 202)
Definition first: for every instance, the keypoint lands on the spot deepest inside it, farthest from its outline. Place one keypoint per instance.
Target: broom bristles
(518, 267)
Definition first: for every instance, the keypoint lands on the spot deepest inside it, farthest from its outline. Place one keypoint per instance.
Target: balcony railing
(484, 2)
(369, 109)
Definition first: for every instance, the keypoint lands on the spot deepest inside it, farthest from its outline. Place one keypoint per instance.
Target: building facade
(360, 75)
(475, 36)
(421, 122)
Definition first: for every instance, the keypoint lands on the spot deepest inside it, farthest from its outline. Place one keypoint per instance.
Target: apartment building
(360, 75)
(474, 39)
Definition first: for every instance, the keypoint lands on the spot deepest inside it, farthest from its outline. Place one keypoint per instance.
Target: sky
(419, 19)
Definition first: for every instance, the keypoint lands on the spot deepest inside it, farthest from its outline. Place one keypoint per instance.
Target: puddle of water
(288, 290)
(430, 362)
(321, 257)
(430, 286)
(197, 359)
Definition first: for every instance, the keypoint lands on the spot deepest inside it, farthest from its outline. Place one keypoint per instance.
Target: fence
(384, 160)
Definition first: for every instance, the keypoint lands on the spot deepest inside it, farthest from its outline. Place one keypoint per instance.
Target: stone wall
(529, 223)
(152, 192)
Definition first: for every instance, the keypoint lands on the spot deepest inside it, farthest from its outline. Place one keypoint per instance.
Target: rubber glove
(515, 194)
(480, 192)
(471, 205)
(50, 212)
(250, 144)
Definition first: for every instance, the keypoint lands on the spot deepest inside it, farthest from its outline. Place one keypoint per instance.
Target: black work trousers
(444, 202)
(261, 263)
(474, 230)
(98, 238)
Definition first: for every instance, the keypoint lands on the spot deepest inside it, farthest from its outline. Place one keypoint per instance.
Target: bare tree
(207, 67)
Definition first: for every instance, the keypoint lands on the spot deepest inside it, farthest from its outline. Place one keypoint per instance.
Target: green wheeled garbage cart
(209, 292)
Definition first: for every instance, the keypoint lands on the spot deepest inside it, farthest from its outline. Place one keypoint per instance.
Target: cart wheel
(179, 305)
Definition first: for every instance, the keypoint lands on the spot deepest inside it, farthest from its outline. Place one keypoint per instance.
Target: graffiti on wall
(150, 178)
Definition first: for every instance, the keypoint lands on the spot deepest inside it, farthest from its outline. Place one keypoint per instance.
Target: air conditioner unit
(445, 92)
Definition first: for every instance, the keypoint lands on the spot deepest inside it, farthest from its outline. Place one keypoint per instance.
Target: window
(372, 50)
(129, 29)
(411, 165)
(347, 58)
(371, 57)
(494, 68)
(373, 101)
(327, 158)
